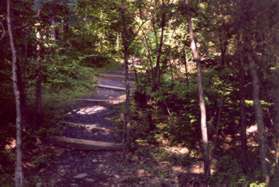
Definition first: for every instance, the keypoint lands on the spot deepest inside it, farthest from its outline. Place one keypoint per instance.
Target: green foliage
(257, 184)
(66, 72)
(229, 171)
(80, 39)
(97, 60)
(167, 107)
(67, 80)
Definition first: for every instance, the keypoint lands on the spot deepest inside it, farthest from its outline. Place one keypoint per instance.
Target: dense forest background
(206, 76)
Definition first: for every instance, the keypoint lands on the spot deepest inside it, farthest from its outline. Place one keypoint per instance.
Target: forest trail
(92, 149)
(90, 122)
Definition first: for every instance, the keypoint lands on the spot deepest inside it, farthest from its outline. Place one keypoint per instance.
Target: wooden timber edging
(83, 144)
(97, 100)
(105, 101)
(86, 126)
(116, 88)
(119, 76)
(111, 87)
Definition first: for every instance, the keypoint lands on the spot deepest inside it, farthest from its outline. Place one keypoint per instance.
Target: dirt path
(91, 119)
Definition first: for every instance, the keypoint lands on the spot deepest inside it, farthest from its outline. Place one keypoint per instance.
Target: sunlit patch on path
(90, 110)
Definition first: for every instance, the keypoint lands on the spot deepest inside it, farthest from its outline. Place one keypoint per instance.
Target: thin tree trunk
(218, 122)
(125, 42)
(185, 60)
(18, 167)
(38, 93)
(38, 88)
(259, 116)
(203, 124)
(157, 76)
(127, 101)
(275, 174)
(223, 46)
(169, 61)
(21, 87)
(243, 136)
(149, 57)
(276, 120)
(196, 58)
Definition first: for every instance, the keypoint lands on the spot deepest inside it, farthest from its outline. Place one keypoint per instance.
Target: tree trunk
(223, 49)
(216, 132)
(149, 57)
(259, 116)
(157, 71)
(203, 123)
(38, 93)
(127, 101)
(21, 87)
(243, 136)
(38, 88)
(276, 126)
(18, 168)
(197, 59)
(125, 43)
(185, 60)
(275, 175)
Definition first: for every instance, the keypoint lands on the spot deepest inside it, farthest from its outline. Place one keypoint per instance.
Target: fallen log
(83, 144)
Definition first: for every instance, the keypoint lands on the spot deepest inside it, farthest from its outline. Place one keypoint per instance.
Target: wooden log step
(86, 126)
(82, 144)
(119, 76)
(111, 87)
(96, 100)
(105, 101)
(103, 80)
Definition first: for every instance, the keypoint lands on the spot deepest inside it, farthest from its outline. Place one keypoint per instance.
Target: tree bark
(223, 48)
(18, 167)
(203, 123)
(243, 136)
(38, 87)
(276, 120)
(127, 101)
(197, 59)
(259, 116)
(149, 57)
(125, 43)
(185, 61)
(157, 76)
(21, 87)
(216, 130)
(275, 175)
